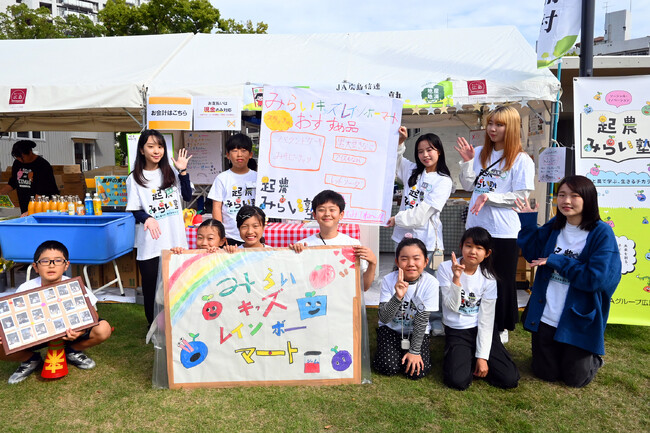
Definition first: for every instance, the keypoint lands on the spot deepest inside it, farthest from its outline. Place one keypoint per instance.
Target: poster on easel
(42, 314)
(612, 136)
(262, 317)
(316, 140)
(206, 150)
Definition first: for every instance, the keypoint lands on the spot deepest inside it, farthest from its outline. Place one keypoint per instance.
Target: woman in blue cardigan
(579, 267)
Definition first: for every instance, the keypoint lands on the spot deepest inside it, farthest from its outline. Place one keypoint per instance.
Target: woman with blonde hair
(501, 174)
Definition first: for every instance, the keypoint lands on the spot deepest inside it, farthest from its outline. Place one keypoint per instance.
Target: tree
(231, 26)
(21, 22)
(78, 26)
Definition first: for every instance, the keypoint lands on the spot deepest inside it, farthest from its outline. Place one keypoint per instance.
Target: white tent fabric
(85, 84)
(405, 62)
(90, 84)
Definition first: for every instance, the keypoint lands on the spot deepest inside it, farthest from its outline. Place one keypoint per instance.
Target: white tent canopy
(91, 84)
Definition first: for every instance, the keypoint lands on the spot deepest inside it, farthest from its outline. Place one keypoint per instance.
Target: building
(616, 41)
(63, 8)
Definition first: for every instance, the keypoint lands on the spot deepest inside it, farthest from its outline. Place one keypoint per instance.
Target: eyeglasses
(46, 262)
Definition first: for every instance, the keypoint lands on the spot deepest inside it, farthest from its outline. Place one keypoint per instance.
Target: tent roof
(93, 82)
(83, 83)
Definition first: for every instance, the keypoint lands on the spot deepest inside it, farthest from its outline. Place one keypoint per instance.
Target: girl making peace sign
(407, 298)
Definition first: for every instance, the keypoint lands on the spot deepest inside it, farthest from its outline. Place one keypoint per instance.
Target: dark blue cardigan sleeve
(186, 187)
(532, 239)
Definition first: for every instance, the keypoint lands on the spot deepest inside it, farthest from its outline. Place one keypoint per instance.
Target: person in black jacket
(31, 174)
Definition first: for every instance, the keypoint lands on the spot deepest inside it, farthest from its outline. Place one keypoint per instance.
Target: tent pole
(553, 142)
(134, 119)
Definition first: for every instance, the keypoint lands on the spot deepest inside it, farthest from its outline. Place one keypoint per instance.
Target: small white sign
(216, 114)
(552, 164)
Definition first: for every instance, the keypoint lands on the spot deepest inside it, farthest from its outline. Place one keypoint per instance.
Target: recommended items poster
(262, 317)
(612, 136)
(111, 189)
(311, 141)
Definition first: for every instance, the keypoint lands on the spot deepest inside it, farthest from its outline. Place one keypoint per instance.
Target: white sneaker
(504, 336)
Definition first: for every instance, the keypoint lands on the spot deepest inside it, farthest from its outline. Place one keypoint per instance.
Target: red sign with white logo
(17, 96)
(477, 87)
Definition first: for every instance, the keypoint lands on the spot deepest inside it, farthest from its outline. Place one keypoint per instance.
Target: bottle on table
(30, 206)
(80, 209)
(71, 206)
(63, 205)
(88, 204)
(97, 205)
(53, 206)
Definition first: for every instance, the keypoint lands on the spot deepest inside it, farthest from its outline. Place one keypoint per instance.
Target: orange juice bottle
(53, 205)
(38, 205)
(97, 205)
(30, 207)
(63, 205)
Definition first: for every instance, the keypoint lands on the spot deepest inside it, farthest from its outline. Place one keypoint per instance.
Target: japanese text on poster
(612, 117)
(311, 141)
(111, 190)
(206, 151)
(259, 316)
(216, 114)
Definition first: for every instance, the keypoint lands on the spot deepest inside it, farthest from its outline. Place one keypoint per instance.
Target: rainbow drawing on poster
(262, 316)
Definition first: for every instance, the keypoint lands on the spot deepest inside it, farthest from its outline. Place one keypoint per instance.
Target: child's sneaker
(25, 369)
(79, 359)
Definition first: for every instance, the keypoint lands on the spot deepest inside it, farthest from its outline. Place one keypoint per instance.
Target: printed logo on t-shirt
(25, 177)
(240, 196)
(468, 305)
(488, 182)
(571, 254)
(164, 203)
(413, 197)
(404, 314)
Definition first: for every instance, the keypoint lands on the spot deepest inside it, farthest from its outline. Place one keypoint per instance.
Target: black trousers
(388, 358)
(506, 253)
(149, 274)
(459, 362)
(554, 361)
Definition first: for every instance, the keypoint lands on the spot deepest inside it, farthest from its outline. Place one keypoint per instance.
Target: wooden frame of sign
(263, 316)
(39, 315)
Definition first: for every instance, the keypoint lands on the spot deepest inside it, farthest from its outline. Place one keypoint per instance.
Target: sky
(342, 16)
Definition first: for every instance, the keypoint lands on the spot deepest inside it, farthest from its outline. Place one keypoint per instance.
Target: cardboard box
(523, 270)
(71, 168)
(128, 268)
(95, 274)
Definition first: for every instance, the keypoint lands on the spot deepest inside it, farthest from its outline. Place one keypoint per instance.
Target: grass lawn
(117, 395)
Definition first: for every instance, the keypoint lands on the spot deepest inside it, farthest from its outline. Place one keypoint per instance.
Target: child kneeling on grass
(50, 262)
(328, 208)
(469, 294)
(407, 298)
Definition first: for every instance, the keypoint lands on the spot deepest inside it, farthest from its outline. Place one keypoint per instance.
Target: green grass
(117, 395)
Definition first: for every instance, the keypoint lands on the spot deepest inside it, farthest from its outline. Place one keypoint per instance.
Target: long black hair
(587, 191)
(441, 166)
(241, 141)
(169, 178)
(481, 237)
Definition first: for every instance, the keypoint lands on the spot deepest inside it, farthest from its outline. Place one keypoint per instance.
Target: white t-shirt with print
(431, 188)
(163, 205)
(233, 191)
(570, 242)
(338, 240)
(36, 282)
(476, 287)
(422, 295)
(500, 222)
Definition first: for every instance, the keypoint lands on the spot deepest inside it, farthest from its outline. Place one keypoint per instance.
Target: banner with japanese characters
(311, 141)
(263, 317)
(558, 31)
(612, 136)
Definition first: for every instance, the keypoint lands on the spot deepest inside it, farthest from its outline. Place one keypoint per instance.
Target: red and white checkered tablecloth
(283, 234)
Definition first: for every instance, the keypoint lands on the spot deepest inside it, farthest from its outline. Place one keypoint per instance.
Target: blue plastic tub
(89, 239)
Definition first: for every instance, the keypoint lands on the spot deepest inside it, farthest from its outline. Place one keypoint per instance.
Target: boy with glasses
(50, 262)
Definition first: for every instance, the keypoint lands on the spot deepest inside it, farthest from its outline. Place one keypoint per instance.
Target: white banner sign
(552, 164)
(216, 114)
(311, 141)
(559, 30)
(169, 113)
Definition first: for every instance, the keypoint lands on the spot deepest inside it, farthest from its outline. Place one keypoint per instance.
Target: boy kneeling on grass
(50, 262)
(328, 207)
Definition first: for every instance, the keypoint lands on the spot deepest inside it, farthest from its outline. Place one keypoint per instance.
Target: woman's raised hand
(465, 150)
(523, 206)
(183, 158)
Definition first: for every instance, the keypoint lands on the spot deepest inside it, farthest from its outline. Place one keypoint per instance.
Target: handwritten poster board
(206, 150)
(612, 136)
(552, 164)
(311, 141)
(262, 317)
(39, 315)
(132, 147)
(111, 190)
